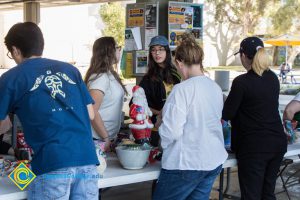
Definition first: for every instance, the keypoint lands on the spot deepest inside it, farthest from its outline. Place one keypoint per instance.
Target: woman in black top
(160, 78)
(258, 137)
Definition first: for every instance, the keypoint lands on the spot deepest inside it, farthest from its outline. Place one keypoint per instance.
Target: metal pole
(286, 54)
(31, 12)
(221, 184)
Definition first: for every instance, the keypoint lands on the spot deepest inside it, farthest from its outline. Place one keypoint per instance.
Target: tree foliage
(232, 21)
(244, 13)
(113, 16)
(244, 17)
(285, 18)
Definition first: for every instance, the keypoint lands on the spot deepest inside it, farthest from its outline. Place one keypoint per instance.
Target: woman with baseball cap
(258, 138)
(159, 80)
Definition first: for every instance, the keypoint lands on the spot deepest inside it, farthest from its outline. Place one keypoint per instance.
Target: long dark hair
(103, 60)
(156, 73)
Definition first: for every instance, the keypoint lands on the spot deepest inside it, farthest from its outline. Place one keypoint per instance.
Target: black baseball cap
(249, 46)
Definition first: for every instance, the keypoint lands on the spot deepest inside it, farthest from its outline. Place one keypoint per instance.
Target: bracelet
(105, 138)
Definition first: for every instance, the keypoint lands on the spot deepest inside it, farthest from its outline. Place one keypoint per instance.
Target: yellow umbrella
(284, 40)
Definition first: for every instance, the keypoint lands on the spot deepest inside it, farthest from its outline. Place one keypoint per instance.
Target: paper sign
(150, 16)
(176, 15)
(129, 67)
(149, 34)
(141, 66)
(175, 36)
(136, 17)
(133, 39)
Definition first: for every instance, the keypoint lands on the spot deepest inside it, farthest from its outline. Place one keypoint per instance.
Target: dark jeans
(257, 175)
(185, 184)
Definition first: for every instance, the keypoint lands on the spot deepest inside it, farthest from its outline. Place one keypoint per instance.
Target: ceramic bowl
(133, 156)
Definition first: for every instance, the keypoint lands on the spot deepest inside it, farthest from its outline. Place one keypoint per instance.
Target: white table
(9, 191)
(292, 150)
(115, 175)
(284, 100)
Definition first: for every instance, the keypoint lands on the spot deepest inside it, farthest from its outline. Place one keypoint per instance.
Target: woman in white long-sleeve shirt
(191, 130)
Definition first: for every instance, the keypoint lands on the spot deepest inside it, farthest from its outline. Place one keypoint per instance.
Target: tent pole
(286, 54)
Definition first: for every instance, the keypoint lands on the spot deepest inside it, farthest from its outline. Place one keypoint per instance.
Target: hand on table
(107, 145)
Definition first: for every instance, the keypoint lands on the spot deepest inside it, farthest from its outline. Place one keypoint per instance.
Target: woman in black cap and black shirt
(159, 80)
(258, 137)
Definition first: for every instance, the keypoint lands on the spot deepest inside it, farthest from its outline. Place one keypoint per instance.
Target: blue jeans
(75, 183)
(185, 184)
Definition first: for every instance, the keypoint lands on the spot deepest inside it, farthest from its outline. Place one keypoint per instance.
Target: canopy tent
(284, 40)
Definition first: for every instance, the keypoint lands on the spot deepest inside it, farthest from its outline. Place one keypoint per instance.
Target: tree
(113, 16)
(286, 19)
(223, 35)
(244, 13)
(232, 21)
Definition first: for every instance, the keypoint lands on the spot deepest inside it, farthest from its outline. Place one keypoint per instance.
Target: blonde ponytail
(261, 62)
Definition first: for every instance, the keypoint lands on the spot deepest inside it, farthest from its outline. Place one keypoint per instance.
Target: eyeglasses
(158, 51)
(9, 55)
(118, 48)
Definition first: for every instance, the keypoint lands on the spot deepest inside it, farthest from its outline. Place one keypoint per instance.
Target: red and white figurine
(140, 113)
